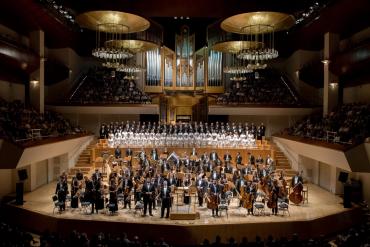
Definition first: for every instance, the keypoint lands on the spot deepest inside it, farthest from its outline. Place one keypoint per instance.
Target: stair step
(282, 166)
(83, 165)
(83, 169)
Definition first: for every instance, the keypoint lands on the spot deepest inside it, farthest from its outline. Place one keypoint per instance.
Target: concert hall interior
(184, 123)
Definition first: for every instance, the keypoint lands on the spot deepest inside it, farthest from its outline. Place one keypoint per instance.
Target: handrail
(79, 85)
(290, 90)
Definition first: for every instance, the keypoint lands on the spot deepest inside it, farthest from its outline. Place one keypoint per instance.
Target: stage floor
(321, 203)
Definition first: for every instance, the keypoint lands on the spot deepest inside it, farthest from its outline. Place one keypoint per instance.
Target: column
(37, 80)
(330, 90)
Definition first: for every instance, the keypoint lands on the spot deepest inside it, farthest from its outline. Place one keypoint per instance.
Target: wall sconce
(34, 82)
(325, 61)
(333, 85)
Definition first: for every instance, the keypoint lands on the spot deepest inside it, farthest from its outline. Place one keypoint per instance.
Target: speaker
(22, 174)
(343, 177)
(347, 194)
(19, 193)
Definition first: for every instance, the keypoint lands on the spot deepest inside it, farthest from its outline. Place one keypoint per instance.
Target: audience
(266, 88)
(17, 122)
(13, 236)
(349, 122)
(105, 87)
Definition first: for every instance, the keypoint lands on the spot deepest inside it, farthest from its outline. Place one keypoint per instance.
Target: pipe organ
(153, 67)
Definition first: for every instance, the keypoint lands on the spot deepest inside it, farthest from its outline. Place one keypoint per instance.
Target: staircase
(282, 163)
(84, 162)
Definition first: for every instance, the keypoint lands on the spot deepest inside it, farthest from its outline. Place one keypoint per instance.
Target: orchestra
(155, 177)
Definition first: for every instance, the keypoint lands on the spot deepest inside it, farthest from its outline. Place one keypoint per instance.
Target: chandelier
(258, 28)
(111, 28)
(263, 34)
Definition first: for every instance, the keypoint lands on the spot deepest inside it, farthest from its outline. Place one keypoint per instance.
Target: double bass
(296, 196)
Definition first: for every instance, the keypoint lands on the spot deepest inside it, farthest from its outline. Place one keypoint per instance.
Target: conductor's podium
(184, 216)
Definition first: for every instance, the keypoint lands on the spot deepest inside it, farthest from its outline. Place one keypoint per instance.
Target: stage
(313, 218)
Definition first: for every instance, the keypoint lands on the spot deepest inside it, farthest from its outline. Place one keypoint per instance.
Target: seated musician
(228, 168)
(238, 159)
(214, 194)
(117, 152)
(262, 170)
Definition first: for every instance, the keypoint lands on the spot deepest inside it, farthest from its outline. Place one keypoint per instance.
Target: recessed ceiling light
(175, 17)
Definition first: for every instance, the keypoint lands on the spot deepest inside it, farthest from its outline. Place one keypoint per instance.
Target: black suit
(166, 201)
(296, 180)
(148, 193)
(213, 156)
(128, 152)
(61, 192)
(239, 159)
(227, 157)
(117, 153)
(154, 155)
